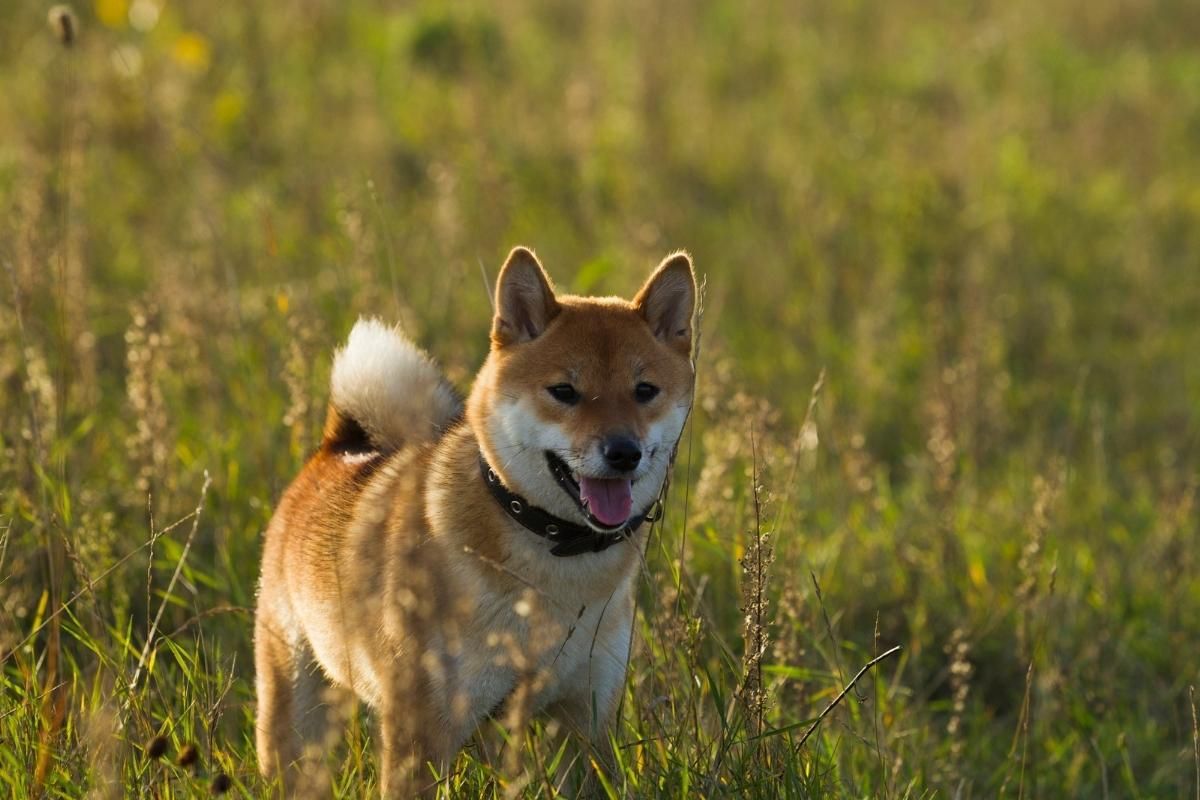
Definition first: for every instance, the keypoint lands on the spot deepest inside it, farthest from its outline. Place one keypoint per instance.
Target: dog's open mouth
(606, 502)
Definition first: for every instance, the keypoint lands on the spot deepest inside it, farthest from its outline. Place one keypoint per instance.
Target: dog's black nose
(621, 453)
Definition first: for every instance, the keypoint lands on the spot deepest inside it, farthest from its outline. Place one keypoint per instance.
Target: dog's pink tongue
(608, 499)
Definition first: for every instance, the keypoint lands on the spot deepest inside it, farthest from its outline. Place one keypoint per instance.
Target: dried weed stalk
(149, 444)
(961, 669)
(756, 636)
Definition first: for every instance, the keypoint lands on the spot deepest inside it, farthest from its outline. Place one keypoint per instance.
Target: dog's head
(582, 399)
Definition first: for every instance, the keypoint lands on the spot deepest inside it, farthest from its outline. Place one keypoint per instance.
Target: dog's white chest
(553, 648)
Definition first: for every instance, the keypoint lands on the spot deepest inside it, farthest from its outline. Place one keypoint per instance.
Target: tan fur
(394, 573)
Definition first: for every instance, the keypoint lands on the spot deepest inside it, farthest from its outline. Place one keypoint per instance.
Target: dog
(449, 562)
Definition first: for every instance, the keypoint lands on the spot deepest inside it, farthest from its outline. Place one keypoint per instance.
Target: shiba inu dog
(448, 562)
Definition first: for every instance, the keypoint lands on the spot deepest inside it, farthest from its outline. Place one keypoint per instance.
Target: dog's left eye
(645, 392)
(564, 393)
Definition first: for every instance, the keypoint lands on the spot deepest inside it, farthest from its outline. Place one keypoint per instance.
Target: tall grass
(978, 220)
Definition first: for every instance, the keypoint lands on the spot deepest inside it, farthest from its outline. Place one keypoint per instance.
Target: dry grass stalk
(879, 750)
(788, 646)
(297, 374)
(145, 358)
(42, 430)
(942, 443)
(1195, 737)
(845, 690)
(808, 439)
(833, 640)
(1020, 737)
(728, 456)
(755, 608)
(187, 546)
(43, 419)
(961, 669)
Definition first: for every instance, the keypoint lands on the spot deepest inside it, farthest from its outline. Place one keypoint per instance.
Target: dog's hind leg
(321, 713)
(275, 674)
(296, 722)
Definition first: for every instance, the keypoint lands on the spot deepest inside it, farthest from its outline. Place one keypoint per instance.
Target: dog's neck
(460, 505)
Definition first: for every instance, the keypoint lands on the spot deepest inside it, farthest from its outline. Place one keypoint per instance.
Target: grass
(979, 222)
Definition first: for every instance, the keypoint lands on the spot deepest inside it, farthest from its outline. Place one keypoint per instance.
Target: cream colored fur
(391, 387)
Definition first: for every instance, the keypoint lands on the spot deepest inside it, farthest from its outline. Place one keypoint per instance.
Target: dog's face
(582, 400)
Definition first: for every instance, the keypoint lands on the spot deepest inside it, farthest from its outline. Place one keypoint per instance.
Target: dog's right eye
(564, 393)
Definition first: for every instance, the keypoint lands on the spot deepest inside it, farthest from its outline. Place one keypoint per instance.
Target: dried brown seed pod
(62, 22)
(188, 756)
(156, 747)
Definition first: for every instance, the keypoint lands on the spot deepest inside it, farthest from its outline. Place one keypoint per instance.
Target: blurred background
(948, 392)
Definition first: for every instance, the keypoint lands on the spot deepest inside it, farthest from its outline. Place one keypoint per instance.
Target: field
(948, 386)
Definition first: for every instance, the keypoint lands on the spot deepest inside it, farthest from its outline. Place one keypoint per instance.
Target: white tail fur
(390, 387)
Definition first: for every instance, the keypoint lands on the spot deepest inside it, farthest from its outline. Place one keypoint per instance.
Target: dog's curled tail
(386, 393)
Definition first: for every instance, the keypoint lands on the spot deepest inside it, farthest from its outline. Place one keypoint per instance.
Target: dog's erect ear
(525, 302)
(668, 299)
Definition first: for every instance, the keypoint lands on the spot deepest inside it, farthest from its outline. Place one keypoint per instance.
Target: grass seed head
(63, 23)
(146, 360)
(961, 669)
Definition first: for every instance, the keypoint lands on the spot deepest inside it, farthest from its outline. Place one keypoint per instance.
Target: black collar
(569, 538)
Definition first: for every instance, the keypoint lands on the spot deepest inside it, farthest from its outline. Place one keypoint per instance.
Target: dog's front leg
(589, 712)
(412, 752)
(416, 732)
